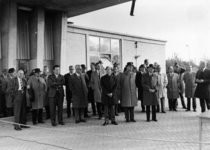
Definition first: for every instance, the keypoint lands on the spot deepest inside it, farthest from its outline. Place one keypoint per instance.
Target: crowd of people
(108, 90)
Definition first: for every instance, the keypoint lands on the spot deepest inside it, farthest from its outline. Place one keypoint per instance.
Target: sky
(184, 24)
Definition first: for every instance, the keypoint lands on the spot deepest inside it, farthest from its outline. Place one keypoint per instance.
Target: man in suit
(68, 91)
(45, 75)
(17, 89)
(56, 95)
(79, 90)
(96, 86)
(151, 86)
(3, 109)
(9, 98)
(90, 90)
(203, 86)
(139, 85)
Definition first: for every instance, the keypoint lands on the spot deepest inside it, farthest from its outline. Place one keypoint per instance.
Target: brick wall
(153, 52)
(76, 49)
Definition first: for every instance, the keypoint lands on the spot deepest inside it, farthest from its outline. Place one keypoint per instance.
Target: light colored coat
(173, 86)
(39, 89)
(128, 89)
(163, 81)
(96, 86)
(190, 85)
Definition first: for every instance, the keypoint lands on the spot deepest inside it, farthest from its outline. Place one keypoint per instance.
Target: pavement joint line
(35, 142)
(94, 134)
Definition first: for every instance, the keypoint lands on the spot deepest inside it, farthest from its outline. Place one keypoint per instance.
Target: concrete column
(9, 34)
(87, 52)
(37, 22)
(122, 54)
(59, 39)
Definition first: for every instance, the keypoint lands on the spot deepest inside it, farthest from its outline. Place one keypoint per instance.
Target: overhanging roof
(72, 7)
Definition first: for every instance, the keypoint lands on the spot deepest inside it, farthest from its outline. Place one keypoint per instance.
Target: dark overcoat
(68, 91)
(118, 93)
(109, 85)
(139, 85)
(55, 84)
(150, 82)
(8, 97)
(79, 91)
(90, 90)
(203, 89)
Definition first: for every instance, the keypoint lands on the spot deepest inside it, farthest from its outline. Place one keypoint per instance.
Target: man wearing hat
(128, 92)
(38, 89)
(9, 98)
(151, 86)
(139, 85)
(3, 110)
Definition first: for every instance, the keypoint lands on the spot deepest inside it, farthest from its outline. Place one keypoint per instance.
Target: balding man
(17, 89)
(203, 86)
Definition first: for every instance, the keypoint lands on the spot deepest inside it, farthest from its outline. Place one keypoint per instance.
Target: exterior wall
(76, 49)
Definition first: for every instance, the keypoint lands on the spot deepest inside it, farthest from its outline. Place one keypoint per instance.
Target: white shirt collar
(78, 74)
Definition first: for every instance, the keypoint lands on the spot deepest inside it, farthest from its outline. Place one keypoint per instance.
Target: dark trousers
(182, 100)
(115, 108)
(35, 113)
(10, 112)
(172, 104)
(79, 113)
(153, 112)
(203, 106)
(3, 108)
(109, 111)
(91, 100)
(142, 106)
(129, 113)
(162, 105)
(20, 108)
(56, 101)
(189, 103)
(99, 109)
(47, 109)
(68, 99)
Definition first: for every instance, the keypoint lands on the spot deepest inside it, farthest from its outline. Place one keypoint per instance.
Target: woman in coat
(151, 86)
(109, 97)
(172, 88)
(128, 92)
(38, 90)
(190, 86)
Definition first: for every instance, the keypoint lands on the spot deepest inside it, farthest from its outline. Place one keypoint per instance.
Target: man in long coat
(139, 85)
(68, 91)
(190, 86)
(3, 107)
(203, 86)
(151, 86)
(109, 97)
(79, 91)
(128, 92)
(162, 91)
(56, 95)
(96, 86)
(172, 88)
(9, 98)
(17, 89)
(45, 75)
(38, 87)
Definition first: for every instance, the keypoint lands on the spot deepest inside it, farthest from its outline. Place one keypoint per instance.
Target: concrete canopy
(72, 7)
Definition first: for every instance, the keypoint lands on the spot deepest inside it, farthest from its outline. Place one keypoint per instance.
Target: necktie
(21, 85)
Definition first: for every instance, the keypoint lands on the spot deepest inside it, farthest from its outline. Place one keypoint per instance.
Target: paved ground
(173, 131)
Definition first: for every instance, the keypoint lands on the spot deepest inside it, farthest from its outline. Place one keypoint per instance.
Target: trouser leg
(40, 115)
(99, 109)
(194, 103)
(81, 113)
(116, 109)
(174, 104)
(153, 112)
(148, 112)
(23, 109)
(68, 106)
(158, 107)
(170, 103)
(142, 106)
(106, 113)
(93, 107)
(182, 99)
(76, 111)
(112, 112)
(202, 104)
(47, 109)
(207, 103)
(131, 109)
(188, 103)
(10, 112)
(126, 113)
(60, 109)
(34, 116)
(52, 103)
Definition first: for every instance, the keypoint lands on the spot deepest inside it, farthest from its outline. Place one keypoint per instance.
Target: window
(105, 49)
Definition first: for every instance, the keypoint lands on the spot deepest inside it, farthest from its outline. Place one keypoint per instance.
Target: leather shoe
(127, 120)
(77, 121)
(163, 112)
(47, 118)
(41, 122)
(86, 116)
(133, 120)
(154, 120)
(148, 120)
(17, 128)
(24, 126)
(187, 110)
(116, 114)
(34, 123)
(114, 123)
(83, 120)
(54, 124)
(99, 118)
(194, 110)
(105, 123)
(61, 123)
